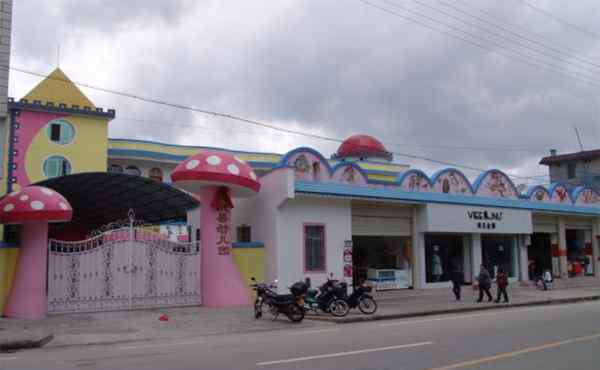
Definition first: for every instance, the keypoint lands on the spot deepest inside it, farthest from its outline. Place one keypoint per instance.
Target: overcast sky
(333, 68)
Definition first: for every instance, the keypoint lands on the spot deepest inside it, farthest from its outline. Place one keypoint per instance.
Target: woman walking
(485, 283)
(502, 283)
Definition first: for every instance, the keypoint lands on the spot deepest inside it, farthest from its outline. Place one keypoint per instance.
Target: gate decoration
(122, 267)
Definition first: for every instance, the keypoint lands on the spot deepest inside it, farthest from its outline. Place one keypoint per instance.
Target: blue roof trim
(482, 176)
(366, 192)
(248, 245)
(402, 176)
(439, 173)
(188, 146)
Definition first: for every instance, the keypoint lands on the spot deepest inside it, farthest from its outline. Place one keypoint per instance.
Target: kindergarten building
(140, 235)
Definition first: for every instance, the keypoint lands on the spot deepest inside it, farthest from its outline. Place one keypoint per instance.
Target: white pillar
(475, 253)
(467, 258)
(589, 252)
(562, 248)
(554, 250)
(523, 243)
(418, 253)
(596, 248)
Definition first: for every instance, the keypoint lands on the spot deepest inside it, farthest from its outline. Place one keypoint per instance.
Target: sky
(500, 93)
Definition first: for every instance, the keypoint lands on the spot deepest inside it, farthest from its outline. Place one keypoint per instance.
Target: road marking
(9, 358)
(162, 345)
(340, 354)
(520, 352)
(459, 317)
(314, 331)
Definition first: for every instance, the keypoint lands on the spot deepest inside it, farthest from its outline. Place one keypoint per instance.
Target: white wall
(335, 214)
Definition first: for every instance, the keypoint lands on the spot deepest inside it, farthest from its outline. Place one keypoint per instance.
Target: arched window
(60, 131)
(56, 166)
(133, 170)
(115, 168)
(156, 174)
(316, 171)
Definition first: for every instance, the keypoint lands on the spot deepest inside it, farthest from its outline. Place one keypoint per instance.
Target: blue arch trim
(533, 189)
(479, 180)
(350, 164)
(554, 185)
(283, 161)
(404, 175)
(439, 173)
(575, 193)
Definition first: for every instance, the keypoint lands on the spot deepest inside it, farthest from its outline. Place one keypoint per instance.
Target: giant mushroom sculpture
(215, 176)
(33, 207)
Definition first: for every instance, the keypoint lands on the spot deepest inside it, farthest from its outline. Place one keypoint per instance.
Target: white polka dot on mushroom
(37, 205)
(192, 164)
(253, 175)
(9, 207)
(47, 191)
(63, 206)
(232, 168)
(213, 160)
(24, 198)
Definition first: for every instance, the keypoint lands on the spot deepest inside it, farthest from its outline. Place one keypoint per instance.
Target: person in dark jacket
(457, 280)
(502, 283)
(485, 283)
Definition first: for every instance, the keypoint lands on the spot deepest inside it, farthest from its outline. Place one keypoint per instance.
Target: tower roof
(57, 87)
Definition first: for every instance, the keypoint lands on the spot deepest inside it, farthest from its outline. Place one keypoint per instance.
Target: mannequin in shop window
(436, 264)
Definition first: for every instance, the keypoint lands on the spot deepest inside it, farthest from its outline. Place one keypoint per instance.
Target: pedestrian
(457, 280)
(501, 283)
(485, 283)
(546, 279)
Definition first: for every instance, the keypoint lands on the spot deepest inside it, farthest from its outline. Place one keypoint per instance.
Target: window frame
(122, 170)
(305, 226)
(62, 166)
(61, 122)
(571, 166)
(152, 174)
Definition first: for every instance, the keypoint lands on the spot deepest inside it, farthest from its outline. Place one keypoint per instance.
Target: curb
(25, 344)
(348, 320)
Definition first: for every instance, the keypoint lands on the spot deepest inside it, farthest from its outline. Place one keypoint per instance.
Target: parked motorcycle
(361, 298)
(267, 299)
(329, 298)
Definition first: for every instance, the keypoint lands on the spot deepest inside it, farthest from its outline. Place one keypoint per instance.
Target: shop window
(571, 170)
(60, 132)
(244, 233)
(384, 260)
(156, 174)
(115, 168)
(498, 251)
(314, 248)
(443, 255)
(577, 261)
(56, 166)
(133, 170)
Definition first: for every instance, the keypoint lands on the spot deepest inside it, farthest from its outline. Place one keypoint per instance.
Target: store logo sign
(485, 219)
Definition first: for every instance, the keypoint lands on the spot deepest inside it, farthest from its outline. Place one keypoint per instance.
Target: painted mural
(451, 181)
(348, 174)
(494, 183)
(587, 197)
(308, 166)
(539, 194)
(414, 180)
(560, 194)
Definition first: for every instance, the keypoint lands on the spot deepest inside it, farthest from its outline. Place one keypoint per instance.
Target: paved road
(548, 337)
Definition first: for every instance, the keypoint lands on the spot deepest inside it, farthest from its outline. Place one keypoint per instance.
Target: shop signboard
(475, 219)
(347, 258)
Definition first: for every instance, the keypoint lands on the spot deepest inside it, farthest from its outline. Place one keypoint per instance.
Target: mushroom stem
(27, 299)
(222, 283)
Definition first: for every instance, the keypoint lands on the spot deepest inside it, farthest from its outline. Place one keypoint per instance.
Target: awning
(99, 198)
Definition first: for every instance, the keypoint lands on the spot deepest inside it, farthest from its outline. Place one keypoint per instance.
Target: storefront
(539, 252)
(382, 250)
(578, 242)
(461, 238)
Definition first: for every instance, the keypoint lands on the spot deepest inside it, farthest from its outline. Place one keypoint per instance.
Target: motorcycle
(329, 298)
(361, 298)
(291, 305)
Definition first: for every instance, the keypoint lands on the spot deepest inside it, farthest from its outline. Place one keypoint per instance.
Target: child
(502, 283)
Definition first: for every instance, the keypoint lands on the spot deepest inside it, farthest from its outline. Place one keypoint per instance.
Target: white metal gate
(123, 268)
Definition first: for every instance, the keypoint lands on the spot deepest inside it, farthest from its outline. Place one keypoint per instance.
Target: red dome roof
(362, 146)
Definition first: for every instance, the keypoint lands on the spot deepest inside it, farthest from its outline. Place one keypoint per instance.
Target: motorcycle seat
(285, 298)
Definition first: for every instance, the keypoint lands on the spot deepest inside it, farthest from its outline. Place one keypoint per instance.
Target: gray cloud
(335, 68)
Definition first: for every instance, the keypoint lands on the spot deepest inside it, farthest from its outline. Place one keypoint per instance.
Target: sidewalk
(187, 322)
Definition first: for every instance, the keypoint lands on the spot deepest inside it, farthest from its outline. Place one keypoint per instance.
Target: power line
(539, 62)
(520, 36)
(237, 118)
(578, 28)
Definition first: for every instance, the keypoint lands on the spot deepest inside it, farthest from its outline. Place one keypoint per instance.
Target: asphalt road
(546, 337)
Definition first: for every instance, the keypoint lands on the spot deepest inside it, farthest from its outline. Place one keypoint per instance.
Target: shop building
(355, 214)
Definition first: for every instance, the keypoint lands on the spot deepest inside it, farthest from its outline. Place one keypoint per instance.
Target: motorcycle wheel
(268, 310)
(338, 308)
(295, 312)
(367, 305)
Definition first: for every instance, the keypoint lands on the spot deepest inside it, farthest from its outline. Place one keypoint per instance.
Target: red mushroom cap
(362, 146)
(34, 203)
(216, 168)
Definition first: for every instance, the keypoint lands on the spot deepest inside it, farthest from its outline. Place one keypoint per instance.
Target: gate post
(131, 216)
